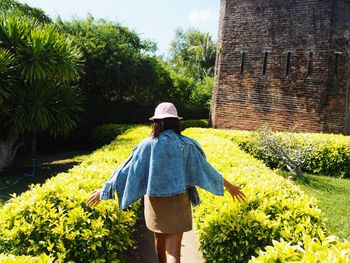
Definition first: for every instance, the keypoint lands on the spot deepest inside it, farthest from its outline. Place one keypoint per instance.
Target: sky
(151, 19)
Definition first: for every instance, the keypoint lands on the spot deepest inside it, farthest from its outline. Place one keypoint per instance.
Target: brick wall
(311, 36)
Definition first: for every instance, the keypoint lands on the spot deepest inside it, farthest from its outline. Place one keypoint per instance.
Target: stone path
(190, 249)
(143, 250)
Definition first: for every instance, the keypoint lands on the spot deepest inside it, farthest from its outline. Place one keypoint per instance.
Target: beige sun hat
(165, 110)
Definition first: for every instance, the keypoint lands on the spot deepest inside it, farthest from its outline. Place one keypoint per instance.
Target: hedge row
(54, 218)
(275, 207)
(25, 259)
(311, 250)
(106, 133)
(331, 155)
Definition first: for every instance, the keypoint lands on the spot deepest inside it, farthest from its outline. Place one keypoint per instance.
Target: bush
(312, 250)
(107, 133)
(275, 207)
(331, 154)
(25, 259)
(184, 124)
(54, 218)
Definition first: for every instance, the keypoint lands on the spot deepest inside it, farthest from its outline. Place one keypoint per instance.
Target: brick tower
(281, 63)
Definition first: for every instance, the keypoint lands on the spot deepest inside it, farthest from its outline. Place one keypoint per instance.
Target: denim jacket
(163, 166)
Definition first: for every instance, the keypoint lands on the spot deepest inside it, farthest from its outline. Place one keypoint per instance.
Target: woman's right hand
(95, 198)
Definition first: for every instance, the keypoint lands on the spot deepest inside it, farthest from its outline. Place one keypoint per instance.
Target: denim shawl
(163, 166)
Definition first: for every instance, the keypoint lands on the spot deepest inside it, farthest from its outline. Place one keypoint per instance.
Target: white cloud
(203, 16)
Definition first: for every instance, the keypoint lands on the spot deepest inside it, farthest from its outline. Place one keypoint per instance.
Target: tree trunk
(9, 146)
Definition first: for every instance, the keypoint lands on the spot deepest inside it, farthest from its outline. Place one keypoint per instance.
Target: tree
(23, 10)
(193, 54)
(36, 65)
(115, 59)
(121, 70)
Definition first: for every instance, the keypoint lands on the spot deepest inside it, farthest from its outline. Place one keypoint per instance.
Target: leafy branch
(287, 150)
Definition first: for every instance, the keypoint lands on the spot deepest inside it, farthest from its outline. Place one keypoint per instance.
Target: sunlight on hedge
(275, 207)
(331, 155)
(25, 259)
(54, 219)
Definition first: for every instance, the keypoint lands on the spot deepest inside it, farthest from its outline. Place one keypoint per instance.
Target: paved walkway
(143, 250)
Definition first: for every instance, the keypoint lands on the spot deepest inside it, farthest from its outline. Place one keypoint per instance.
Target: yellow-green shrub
(106, 133)
(184, 124)
(25, 259)
(275, 207)
(54, 218)
(331, 155)
(311, 250)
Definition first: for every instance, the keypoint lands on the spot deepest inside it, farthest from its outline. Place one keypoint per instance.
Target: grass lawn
(333, 195)
(13, 180)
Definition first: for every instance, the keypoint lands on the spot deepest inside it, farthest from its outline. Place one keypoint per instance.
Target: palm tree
(38, 63)
(193, 54)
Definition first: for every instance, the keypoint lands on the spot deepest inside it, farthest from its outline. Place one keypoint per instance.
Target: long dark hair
(160, 125)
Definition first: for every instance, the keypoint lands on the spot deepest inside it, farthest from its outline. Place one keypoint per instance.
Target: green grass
(333, 195)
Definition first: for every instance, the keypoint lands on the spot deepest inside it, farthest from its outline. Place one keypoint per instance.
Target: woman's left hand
(95, 198)
(236, 193)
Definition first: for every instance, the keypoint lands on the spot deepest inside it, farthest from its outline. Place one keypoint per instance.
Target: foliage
(285, 150)
(202, 92)
(25, 259)
(311, 250)
(122, 73)
(54, 218)
(330, 155)
(6, 60)
(193, 54)
(107, 133)
(20, 9)
(36, 65)
(275, 207)
(119, 65)
(38, 62)
(184, 124)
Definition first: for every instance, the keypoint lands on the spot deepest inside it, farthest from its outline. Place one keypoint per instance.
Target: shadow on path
(13, 180)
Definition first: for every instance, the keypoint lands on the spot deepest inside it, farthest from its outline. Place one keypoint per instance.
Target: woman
(165, 169)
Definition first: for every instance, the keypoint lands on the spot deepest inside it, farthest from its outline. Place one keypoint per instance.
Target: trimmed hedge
(54, 218)
(25, 259)
(107, 133)
(312, 250)
(331, 155)
(184, 124)
(275, 207)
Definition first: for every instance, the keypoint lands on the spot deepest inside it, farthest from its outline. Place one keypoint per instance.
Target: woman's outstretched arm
(235, 191)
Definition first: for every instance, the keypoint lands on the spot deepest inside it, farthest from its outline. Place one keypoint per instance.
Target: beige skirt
(170, 214)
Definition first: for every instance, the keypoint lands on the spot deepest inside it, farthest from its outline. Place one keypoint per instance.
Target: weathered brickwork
(284, 64)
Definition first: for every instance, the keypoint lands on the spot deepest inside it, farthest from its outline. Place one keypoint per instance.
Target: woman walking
(165, 168)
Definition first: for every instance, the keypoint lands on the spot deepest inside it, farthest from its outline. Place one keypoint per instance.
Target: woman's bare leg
(160, 246)
(173, 247)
